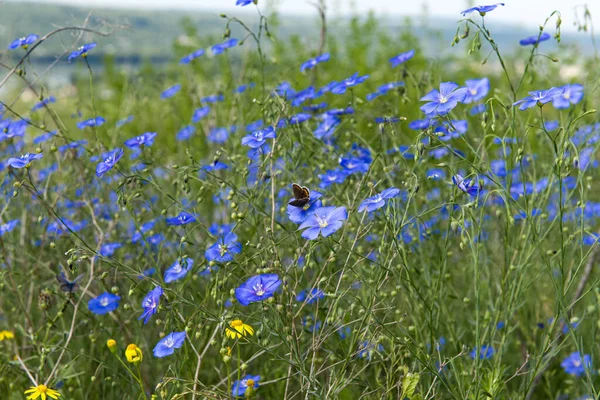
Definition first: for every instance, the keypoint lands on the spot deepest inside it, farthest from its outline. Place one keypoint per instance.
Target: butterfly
(301, 195)
(66, 285)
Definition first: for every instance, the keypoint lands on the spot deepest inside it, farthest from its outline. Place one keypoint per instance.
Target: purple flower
(167, 345)
(477, 89)
(325, 220)
(534, 40)
(258, 138)
(103, 304)
(145, 139)
(110, 159)
(482, 10)
(221, 47)
(443, 101)
(314, 61)
(98, 121)
(82, 51)
(239, 387)
(187, 59)
(224, 249)
(182, 219)
(150, 303)
(466, 185)
(23, 42)
(200, 113)
(402, 58)
(376, 202)
(24, 160)
(178, 269)
(575, 365)
(572, 94)
(170, 92)
(539, 98)
(257, 288)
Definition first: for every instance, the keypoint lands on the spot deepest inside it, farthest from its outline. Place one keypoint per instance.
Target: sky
(521, 12)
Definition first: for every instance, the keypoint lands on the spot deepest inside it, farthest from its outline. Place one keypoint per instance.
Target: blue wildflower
(224, 249)
(376, 202)
(170, 92)
(43, 103)
(245, 2)
(124, 121)
(314, 61)
(9, 226)
(24, 160)
(81, 51)
(218, 135)
(167, 345)
(108, 249)
(576, 365)
(110, 159)
(240, 387)
(258, 138)
(401, 58)
(484, 353)
(444, 100)
(477, 89)
(178, 269)
(299, 214)
(221, 47)
(534, 40)
(325, 220)
(150, 303)
(213, 98)
(482, 10)
(572, 94)
(257, 288)
(200, 113)
(185, 133)
(104, 303)
(478, 109)
(353, 80)
(366, 349)
(332, 176)
(539, 98)
(310, 297)
(23, 42)
(182, 219)
(466, 185)
(188, 58)
(145, 139)
(92, 122)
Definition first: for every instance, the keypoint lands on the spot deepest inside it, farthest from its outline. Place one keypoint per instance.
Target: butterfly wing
(301, 195)
(298, 191)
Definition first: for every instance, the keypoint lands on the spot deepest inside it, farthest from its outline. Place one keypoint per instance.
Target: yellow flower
(6, 335)
(41, 391)
(112, 345)
(133, 354)
(239, 329)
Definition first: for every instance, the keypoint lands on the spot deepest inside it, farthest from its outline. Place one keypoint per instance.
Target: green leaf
(409, 385)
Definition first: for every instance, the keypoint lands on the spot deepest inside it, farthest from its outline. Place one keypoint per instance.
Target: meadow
(346, 217)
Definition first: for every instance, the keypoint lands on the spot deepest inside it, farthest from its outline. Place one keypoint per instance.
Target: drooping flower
(574, 364)
(92, 122)
(170, 92)
(150, 303)
(535, 39)
(110, 160)
(314, 61)
(325, 220)
(572, 94)
(188, 58)
(444, 100)
(402, 58)
(42, 392)
(24, 160)
(539, 98)
(258, 138)
(134, 354)
(246, 384)
(482, 10)
(145, 139)
(477, 89)
(81, 51)
(466, 185)
(257, 288)
(224, 249)
(23, 42)
(237, 329)
(373, 203)
(483, 353)
(167, 345)
(182, 219)
(104, 303)
(178, 269)
(221, 47)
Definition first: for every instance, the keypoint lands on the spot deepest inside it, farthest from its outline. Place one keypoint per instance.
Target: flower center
(577, 363)
(223, 249)
(108, 160)
(259, 289)
(169, 342)
(42, 388)
(473, 92)
(104, 302)
(443, 99)
(322, 222)
(250, 382)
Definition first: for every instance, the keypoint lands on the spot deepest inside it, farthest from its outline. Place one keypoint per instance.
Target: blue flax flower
(314, 61)
(466, 185)
(376, 202)
(23, 42)
(257, 288)
(477, 89)
(539, 98)
(167, 345)
(182, 219)
(145, 139)
(24, 160)
(572, 94)
(485, 352)
(104, 303)
(534, 40)
(482, 10)
(221, 47)
(150, 303)
(170, 92)
(224, 249)
(575, 365)
(185, 133)
(402, 58)
(258, 138)
(325, 220)
(188, 58)
(240, 387)
(178, 269)
(98, 121)
(43, 103)
(200, 113)
(9, 226)
(243, 3)
(310, 297)
(82, 51)
(299, 214)
(110, 160)
(354, 80)
(444, 100)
